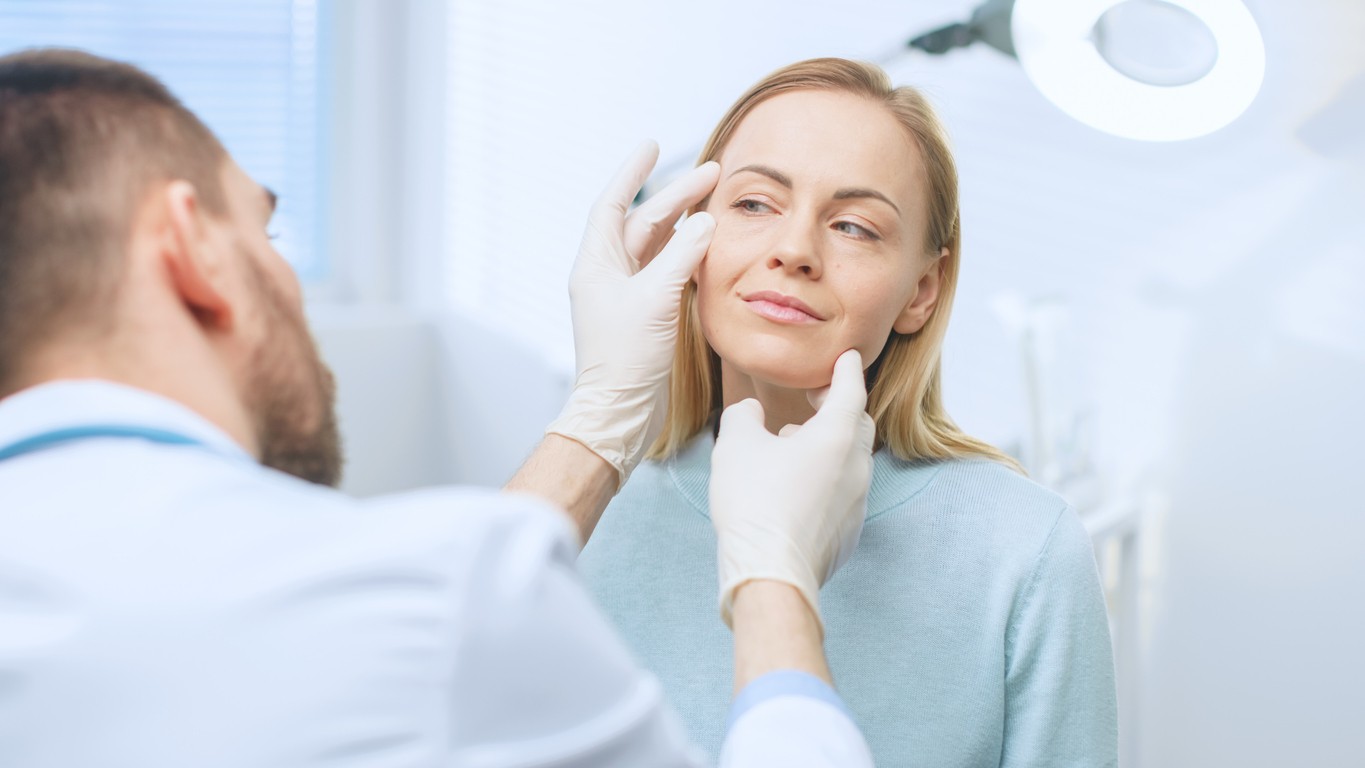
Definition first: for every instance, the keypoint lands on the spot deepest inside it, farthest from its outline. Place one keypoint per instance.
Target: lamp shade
(1055, 43)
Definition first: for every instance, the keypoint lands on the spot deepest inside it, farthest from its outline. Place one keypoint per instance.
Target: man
(166, 600)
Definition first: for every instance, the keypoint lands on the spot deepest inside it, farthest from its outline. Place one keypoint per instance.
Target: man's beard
(292, 394)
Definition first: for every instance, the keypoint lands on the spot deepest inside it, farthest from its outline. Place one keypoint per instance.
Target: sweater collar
(893, 480)
(73, 403)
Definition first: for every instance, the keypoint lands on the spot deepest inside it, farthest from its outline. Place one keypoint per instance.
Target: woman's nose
(796, 250)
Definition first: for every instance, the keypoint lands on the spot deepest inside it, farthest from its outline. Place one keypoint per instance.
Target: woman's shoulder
(988, 482)
(990, 503)
(976, 482)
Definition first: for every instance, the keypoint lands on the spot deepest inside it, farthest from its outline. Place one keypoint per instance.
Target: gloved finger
(847, 392)
(743, 417)
(789, 429)
(649, 226)
(609, 212)
(679, 259)
(816, 397)
(867, 432)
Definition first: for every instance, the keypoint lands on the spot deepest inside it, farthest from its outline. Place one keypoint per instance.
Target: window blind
(248, 68)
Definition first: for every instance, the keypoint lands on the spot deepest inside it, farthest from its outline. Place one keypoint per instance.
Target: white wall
(392, 398)
(501, 395)
(422, 399)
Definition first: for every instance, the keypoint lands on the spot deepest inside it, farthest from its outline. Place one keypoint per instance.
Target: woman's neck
(781, 406)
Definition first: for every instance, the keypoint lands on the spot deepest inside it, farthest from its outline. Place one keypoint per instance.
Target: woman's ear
(195, 270)
(922, 302)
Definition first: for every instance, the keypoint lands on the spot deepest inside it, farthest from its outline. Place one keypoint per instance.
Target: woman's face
(819, 242)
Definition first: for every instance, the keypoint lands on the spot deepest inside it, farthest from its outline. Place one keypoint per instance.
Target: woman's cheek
(877, 308)
(723, 262)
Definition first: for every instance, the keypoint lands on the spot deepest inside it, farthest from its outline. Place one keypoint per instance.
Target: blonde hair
(905, 399)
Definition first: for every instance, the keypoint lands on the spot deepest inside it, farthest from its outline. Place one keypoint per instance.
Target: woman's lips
(780, 308)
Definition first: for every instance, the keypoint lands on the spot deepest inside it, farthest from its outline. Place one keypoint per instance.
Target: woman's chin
(790, 371)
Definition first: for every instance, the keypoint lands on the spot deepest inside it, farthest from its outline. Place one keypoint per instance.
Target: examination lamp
(1153, 70)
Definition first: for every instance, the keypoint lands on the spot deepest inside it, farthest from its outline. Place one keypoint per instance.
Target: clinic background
(1172, 334)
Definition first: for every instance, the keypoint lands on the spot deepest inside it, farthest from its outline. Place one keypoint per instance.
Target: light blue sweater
(968, 629)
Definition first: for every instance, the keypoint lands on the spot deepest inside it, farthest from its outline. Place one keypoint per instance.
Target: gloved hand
(625, 303)
(789, 507)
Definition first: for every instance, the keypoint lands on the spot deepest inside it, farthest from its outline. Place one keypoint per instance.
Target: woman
(969, 627)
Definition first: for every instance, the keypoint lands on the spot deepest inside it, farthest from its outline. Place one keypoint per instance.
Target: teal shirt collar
(893, 481)
(76, 403)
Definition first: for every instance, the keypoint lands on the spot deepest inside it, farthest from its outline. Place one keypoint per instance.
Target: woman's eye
(849, 228)
(750, 206)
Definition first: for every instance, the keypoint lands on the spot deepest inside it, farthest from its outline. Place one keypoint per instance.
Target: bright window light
(248, 68)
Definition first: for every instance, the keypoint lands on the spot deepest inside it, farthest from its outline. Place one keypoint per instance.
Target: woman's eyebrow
(846, 193)
(852, 192)
(772, 173)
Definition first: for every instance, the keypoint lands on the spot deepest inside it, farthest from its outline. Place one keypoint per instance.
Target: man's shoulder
(455, 509)
(439, 529)
(476, 520)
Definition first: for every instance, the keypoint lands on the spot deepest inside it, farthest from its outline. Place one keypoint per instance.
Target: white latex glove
(625, 303)
(790, 507)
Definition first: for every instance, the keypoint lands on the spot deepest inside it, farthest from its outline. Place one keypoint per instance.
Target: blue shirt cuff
(784, 682)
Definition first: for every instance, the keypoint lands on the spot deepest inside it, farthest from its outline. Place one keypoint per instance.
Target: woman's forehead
(825, 138)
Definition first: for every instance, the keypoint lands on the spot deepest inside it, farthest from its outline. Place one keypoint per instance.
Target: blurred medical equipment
(1141, 69)
(1337, 131)
(1057, 452)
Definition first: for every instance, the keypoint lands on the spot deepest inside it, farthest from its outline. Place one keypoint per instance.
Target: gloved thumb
(847, 390)
(788, 430)
(679, 259)
(744, 417)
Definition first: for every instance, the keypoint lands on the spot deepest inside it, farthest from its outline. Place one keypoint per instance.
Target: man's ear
(196, 269)
(921, 306)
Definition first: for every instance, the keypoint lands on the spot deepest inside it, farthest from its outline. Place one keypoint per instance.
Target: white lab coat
(174, 605)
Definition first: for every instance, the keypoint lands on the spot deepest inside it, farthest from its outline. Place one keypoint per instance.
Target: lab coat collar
(88, 402)
(894, 481)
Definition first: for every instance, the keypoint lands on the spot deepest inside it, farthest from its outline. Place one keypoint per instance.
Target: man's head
(129, 237)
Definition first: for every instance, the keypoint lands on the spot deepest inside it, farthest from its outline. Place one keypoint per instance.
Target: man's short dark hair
(82, 141)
